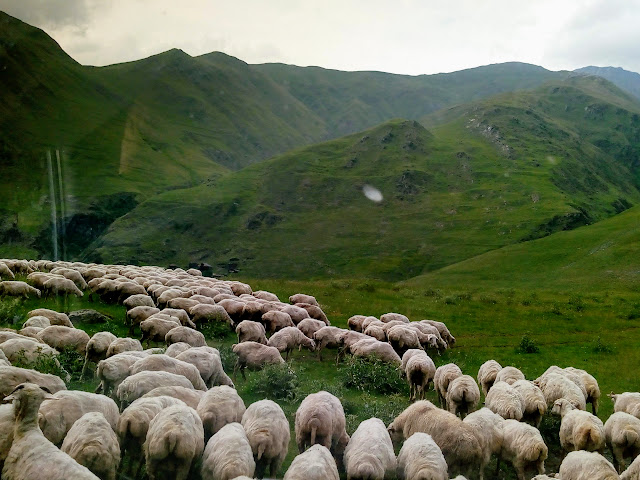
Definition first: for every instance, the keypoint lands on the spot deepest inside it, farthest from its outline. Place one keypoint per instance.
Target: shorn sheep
(369, 454)
(534, 405)
(314, 464)
(135, 386)
(174, 441)
(228, 454)
(267, 430)
(11, 377)
(583, 465)
(504, 400)
(419, 371)
(579, 430)
(289, 338)
(254, 356)
(524, 447)
(421, 458)
(443, 376)
(96, 349)
(487, 375)
(31, 454)
(622, 433)
(249, 331)
(92, 442)
(628, 402)
(488, 427)
(463, 395)
(219, 406)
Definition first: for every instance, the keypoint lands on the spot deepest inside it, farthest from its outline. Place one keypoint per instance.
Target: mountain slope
(624, 79)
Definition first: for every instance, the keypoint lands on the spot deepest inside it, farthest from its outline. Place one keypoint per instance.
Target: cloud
(49, 13)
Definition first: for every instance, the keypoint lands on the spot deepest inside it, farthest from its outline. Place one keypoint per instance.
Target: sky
(398, 36)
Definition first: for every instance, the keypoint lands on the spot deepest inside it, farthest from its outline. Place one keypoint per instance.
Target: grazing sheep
(320, 419)
(419, 371)
(92, 442)
(309, 326)
(583, 465)
(289, 338)
(55, 318)
(314, 312)
(26, 351)
(135, 386)
(297, 314)
(249, 331)
(187, 395)
(376, 332)
(622, 434)
(18, 289)
(165, 363)
(276, 320)
(64, 338)
(56, 418)
(628, 402)
(523, 446)
(509, 375)
(390, 317)
(373, 348)
(121, 345)
(228, 454)
(5, 272)
(403, 338)
(534, 405)
(207, 361)
(369, 453)
(138, 300)
(420, 458)
(504, 400)
(327, 337)
(487, 375)
(268, 296)
(175, 440)
(254, 356)
(268, 432)
(96, 349)
(463, 395)
(590, 385)
(72, 275)
(408, 354)
(32, 456)
(579, 430)
(442, 378)
(183, 303)
(185, 335)
(60, 286)
(355, 322)
(488, 427)
(302, 298)
(37, 321)
(314, 464)
(11, 377)
(206, 313)
(219, 406)
(138, 314)
(155, 328)
(113, 370)
(444, 331)
(429, 329)
(555, 386)
(369, 321)
(177, 348)
(458, 441)
(180, 314)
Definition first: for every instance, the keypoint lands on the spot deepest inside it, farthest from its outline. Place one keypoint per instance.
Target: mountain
(499, 171)
(624, 79)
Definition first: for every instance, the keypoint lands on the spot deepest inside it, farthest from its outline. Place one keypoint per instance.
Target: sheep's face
(395, 433)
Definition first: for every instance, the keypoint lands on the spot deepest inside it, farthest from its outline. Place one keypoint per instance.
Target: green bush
(227, 358)
(215, 329)
(43, 363)
(527, 346)
(9, 311)
(371, 375)
(276, 382)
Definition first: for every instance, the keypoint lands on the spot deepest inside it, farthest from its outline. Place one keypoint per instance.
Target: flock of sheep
(172, 409)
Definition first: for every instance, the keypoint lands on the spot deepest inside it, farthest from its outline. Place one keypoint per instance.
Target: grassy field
(593, 331)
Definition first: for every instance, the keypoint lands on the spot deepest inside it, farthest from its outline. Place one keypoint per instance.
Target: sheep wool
(11, 377)
(583, 465)
(219, 406)
(487, 375)
(504, 400)
(369, 453)
(228, 454)
(314, 464)
(579, 430)
(463, 395)
(622, 434)
(421, 458)
(523, 446)
(443, 376)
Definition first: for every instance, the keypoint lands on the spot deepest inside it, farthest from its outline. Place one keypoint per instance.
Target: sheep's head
(562, 406)
(27, 398)
(395, 433)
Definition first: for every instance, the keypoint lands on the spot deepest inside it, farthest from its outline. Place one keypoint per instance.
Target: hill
(499, 171)
(624, 79)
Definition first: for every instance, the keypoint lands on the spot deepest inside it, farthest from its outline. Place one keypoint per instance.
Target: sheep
(56, 418)
(376, 332)
(428, 329)
(276, 320)
(403, 338)
(72, 275)
(583, 465)
(96, 349)
(138, 314)
(297, 314)
(314, 464)
(27, 351)
(441, 379)
(5, 272)
(219, 406)
(458, 441)
(268, 432)
(509, 375)
(419, 371)
(180, 314)
(113, 370)
(421, 458)
(60, 286)
(309, 326)
(504, 400)
(255, 355)
(555, 386)
(177, 348)
(631, 473)
(134, 421)
(228, 455)
(31, 332)
(185, 335)
(155, 328)
(249, 331)
(406, 356)
(555, 370)
(11, 377)
(368, 321)
(389, 317)
(165, 363)
(175, 440)
(138, 300)
(372, 348)
(32, 455)
(182, 303)
(4, 361)
(622, 434)
(444, 331)
(534, 405)
(18, 289)
(327, 337)
(207, 361)
(579, 430)
(626, 402)
(488, 427)
(55, 318)
(487, 375)
(187, 395)
(463, 395)
(369, 453)
(355, 322)
(289, 338)
(134, 386)
(37, 321)
(7, 423)
(121, 345)
(523, 446)
(91, 442)
(320, 419)
(64, 338)
(314, 312)
(7, 334)
(238, 288)
(302, 298)
(591, 386)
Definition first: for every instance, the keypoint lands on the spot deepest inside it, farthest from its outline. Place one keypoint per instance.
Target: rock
(87, 316)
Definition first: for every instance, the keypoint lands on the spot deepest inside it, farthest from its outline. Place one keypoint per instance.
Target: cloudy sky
(399, 36)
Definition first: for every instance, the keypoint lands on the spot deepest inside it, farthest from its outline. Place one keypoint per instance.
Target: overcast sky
(399, 36)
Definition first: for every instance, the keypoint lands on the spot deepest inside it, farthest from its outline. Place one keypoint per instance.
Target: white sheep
(219, 406)
(176, 349)
(523, 446)
(488, 427)
(31, 455)
(207, 361)
(27, 351)
(92, 442)
(420, 458)
(138, 300)
(64, 338)
(487, 375)
(355, 322)
(121, 345)
(591, 386)
(372, 348)
(268, 432)
(509, 375)
(402, 338)
(55, 318)
(139, 314)
(444, 331)
(390, 317)
(11, 377)
(504, 400)
(56, 418)
(5, 272)
(626, 402)
(633, 472)
(622, 434)
(275, 320)
(376, 332)
(534, 405)
(165, 363)
(303, 298)
(463, 395)
(18, 289)
(254, 356)
(96, 349)
(60, 286)
(309, 326)
(175, 440)
(556, 385)
(443, 376)
(228, 454)
(156, 327)
(583, 465)
(185, 335)
(31, 332)
(369, 453)
(134, 386)
(327, 337)
(579, 430)
(249, 331)
(37, 321)
(297, 314)
(314, 464)
(187, 395)
(113, 370)
(7, 423)
(419, 371)
(289, 338)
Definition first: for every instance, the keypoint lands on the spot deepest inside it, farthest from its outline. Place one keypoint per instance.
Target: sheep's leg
(618, 458)
(287, 356)
(85, 367)
(100, 387)
(540, 466)
(594, 406)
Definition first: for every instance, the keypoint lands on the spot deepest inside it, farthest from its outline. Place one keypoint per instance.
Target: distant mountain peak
(624, 79)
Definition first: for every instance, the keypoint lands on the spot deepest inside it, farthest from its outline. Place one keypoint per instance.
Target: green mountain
(624, 79)
(499, 171)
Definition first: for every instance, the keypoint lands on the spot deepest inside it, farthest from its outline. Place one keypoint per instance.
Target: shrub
(215, 329)
(371, 375)
(9, 311)
(43, 363)
(227, 358)
(527, 346)
(276, 382)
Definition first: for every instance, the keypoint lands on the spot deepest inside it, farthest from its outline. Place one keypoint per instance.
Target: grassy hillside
(501, 171)
(629, 81)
